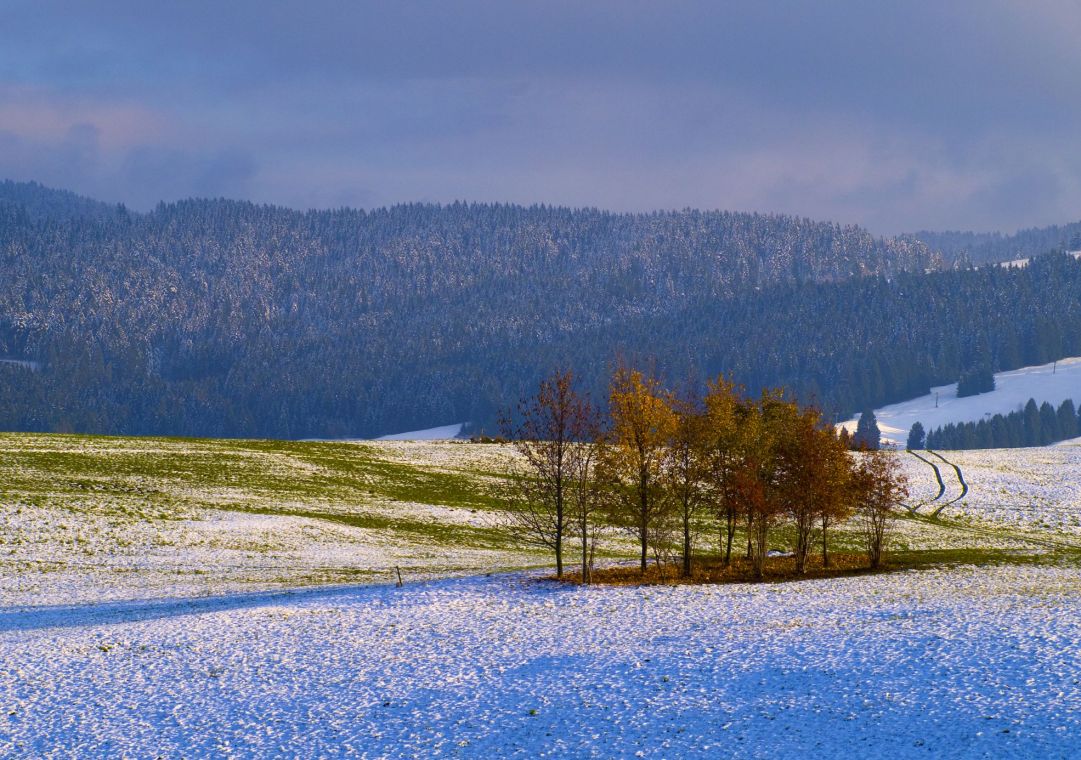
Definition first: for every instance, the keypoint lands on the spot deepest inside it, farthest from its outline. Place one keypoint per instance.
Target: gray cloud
(897, 116)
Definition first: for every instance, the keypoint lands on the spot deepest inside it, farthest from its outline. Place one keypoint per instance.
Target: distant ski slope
(431, 434)
(1012, 390)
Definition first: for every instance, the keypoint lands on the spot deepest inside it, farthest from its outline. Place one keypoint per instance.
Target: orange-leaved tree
(879, 487)
(815, 473)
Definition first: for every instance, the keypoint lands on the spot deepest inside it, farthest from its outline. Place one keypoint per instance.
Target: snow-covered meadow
(86, 519)
(968, 662)
(231, 599)
(1034, 489)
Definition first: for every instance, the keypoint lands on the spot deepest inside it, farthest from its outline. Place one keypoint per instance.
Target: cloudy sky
(897, 116)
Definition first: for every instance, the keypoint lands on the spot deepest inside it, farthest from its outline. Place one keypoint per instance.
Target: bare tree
(586, 489)
(549, 432)
(879, 487)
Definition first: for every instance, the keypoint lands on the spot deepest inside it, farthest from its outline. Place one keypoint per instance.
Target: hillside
(1053, 383)
(237, 319)
(47, 204)
(993, 247)
(162, 588)
(230, 319)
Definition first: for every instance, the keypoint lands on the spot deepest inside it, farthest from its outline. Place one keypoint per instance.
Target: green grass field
(83, 517)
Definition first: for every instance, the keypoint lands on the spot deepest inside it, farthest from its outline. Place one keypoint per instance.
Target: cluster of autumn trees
(668, 469)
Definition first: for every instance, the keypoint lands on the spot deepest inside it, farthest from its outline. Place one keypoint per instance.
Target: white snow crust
(967, 662)
(1036, 488)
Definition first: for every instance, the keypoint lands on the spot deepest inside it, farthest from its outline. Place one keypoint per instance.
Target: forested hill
(988, 247)
(228, 318)
(41, 202)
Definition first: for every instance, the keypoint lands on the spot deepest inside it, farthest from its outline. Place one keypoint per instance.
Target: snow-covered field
(161, 598)
(87, 519)
(1035, 489)
(1046, 382)
(969, 662)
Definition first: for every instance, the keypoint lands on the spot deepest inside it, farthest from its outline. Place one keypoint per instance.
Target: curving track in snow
(941, 484)
(960, 479)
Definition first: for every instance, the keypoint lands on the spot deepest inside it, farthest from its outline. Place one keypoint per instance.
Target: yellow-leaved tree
(631, 461)
(720, 451)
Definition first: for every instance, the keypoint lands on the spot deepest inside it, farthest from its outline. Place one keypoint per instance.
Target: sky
(898, 116)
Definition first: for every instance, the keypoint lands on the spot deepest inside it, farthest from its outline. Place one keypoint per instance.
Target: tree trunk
(759, 542)
(759, 554)
(876, 548)
(559, 554)
(643, 512)
(645, 556)
(559, 519)
(803, 543)
(730, 527)
(585, 552)
(686, 545)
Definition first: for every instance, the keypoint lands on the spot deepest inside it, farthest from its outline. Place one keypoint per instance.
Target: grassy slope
(285, 512)
(243, 512)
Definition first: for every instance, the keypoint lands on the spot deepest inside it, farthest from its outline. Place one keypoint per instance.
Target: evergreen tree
(1049, 429)
(867, 434)
(1067, 420)
(978, 380)
(845, 437)
(1016, 426)
(916, 436)
(1000, 433)
(1032, 424)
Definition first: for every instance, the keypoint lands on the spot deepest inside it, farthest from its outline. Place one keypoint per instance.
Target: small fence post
(399, 571)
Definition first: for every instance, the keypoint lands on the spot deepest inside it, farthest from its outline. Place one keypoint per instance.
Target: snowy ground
(970, 662)
(1038, 489)
(1022, 263)
(89, 519)
(1046, 382)
(142, 614)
